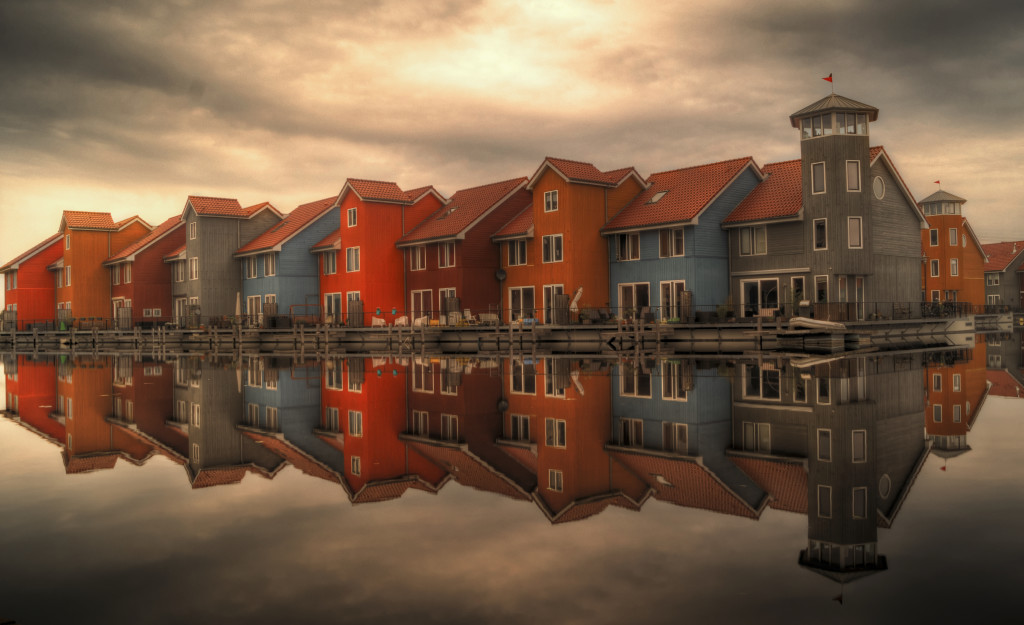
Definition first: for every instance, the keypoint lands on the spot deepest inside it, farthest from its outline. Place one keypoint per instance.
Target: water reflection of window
(422, 377)
(520, 430)
(357, 465)
(757, 437)
(253, 415)
(419, 422)
(272, 423)
(551, 386)
(554, 432)
(674, 380)
(800, 390)
(631, 433)
(674, 437)
(334, 373)
(331, 420)
(194, 416)
(860, 445)
(449, 427)
(254, 376)
(761, 382)
(824, 391)
(180, 411)
(956, 382)
(825, 445)
(524, 380)
(270, 377)
(860, 504)
(824, 501)
(956, 413)
(355, 423)
(555, 480)
(937, 413)
(635, 381)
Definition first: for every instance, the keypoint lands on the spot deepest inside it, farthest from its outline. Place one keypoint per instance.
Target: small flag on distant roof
(828, 78)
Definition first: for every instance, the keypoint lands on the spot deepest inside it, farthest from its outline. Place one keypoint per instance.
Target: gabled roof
(1002, 384)
(1001, 255)
(583, 173)
(330, 242)
(679, 196)
(466, 467)
(878, 153)
(586, 507)
(943, 196)
(293, 223)
(124, 223)
(296, 457)
(974, 237)
(164, 229)
(834, 102)
(519, 227)
(86, 220)
(784, 480)
(375, 191)
(178, 254)
(415, 195)
(89, 462)
(225, 207)
(465, 209)
(779, 196)
(16, 262)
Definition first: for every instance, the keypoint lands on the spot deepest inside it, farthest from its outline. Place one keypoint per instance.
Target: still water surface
(511, 491)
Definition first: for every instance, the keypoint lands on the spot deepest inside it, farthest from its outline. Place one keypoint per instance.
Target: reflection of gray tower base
(843, 573)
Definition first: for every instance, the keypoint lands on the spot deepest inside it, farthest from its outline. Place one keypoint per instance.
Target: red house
(140, 279)
(29, 287)
(361, 265)
(450, 257)
(31, 397)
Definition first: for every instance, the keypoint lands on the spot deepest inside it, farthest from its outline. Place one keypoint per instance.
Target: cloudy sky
(129, 107)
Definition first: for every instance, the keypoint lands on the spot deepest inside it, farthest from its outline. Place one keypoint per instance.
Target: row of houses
(840, 443)
(837, 230)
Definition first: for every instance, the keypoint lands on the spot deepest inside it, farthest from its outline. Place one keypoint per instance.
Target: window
(634, 381)
(818, 177)
(821, 234)
(753, 240)
(935, 267)
(193, 269)
(550, 201)
(446, 254)
(552, 248)
(854, 233)
(860, 445)
(548, 293)
(853, 175)
(824, 501)
(115, 275)
(355, 423)
(331, 420)
(249, 264)
(991, 279)
(128, 274)
(674, 380)
(357, 465)
(757, 436)
(673, 437)
(550, 388)
(524, 378)
(418, 258)
(194, 416)
(629, 247)
(179, 271)
(670, 242)
(422, 377)
(878, 187)
(933, 237)
(520, 427)
(656, 197)
(860, 503)
(952, 237)
(253, 415)
(956, 413)
(554, 432)
(351, 217)
(631, 433)
(270, 378)
(67, 276)
(516, 253)
(937, 413)
(67, 241)
(825, 445)
(954, 266)
(420, 419)
(193, 229)
(270, 265)
(956, 382)
(935, 295)
(936, 381)
(851, 123)
(555, 480)
(449, 427)
(330, 263)
(352, 259)
(761, 382)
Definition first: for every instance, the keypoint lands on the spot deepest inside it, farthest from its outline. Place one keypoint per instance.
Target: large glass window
(552, 248)
(670, 242)
(753, 240)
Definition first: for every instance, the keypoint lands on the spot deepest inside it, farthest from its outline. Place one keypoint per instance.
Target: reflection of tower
(956, 388)
(840, 442)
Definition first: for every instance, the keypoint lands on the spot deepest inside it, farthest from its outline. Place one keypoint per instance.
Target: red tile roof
(17, 260)
(1003, 384)
(591, 506)
(519, 227)
(290, 225)
(465, 208)
(1001, 255)
(786, 482)
(468, 469)
(296, 457)
(88, 220)
(178, 252)
(688, 191)
(87, 464)
(158, 233)
(218, 476)
(584, 173)
(125, 222)
(779, 196)
(377, 191)
(525, 457)
(414, 195)
(330, 242)
(216, 206)
(386, 490)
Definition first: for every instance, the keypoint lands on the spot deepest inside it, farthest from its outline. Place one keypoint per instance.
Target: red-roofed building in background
(29, 288)
(670, 254)
(450, 259)
(837, 228)
(954, 257)
(1004, 274)
(956, 390)
(361, 265)
(555, 258)
(140, 280)
(82, 281)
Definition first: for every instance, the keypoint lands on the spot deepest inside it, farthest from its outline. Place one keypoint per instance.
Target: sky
(129, 107)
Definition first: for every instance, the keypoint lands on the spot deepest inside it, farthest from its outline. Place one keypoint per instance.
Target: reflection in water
(836, 440)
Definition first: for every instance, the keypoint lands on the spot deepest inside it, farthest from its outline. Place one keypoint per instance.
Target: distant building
(29, 288)
(140, 282)
(1004, 274)
(953, 255)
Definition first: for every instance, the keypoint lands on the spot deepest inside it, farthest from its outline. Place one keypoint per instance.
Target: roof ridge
(489, 184)
(730, 160)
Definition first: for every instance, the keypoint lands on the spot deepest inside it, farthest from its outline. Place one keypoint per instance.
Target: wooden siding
(969, 284)
(35, 295)
(89, 292)
(151, 279)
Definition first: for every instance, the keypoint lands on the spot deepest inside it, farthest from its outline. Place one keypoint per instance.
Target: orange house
(554, 247)
(955, 394)
(954, 263)
(82, 281)
(28, 286)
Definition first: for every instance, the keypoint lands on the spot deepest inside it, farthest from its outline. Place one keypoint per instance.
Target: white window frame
(556, 480)
(551, 201)
(667, 238)
(824, 184)
(824, 451)
(193, 268)
(936, 382)
(853, 182)
(351, 253)
(420, 424)
(753, 236)
(418, 258)
(956, 382)
(356, 465)
(935, 267)
(249, 266)
(627, 247)
(555, 433)
(519, 427)
(330, 262)
(937, 413)
(855, 225)
(449, 427)
(270, 264)
(552, 248)
(193, 230)
(355, 423)
(519, 382)
(957, 413)
(933, 237)
(814, 234)
(953, 238)
(446, 254)
(115, 275)
(127, 273)
(634, 375)
(671, 382)
(549, 380)
(518, 258)
(954, 266)
(352, 216)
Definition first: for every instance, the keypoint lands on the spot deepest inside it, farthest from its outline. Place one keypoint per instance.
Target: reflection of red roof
(1002, 255)
(520, 226)
(522, 455)
(88, 220)
(330, 242)
(13, 264)
(377, 191)
(296, 457)
(289, 226)
(786, 482)
(467, 468)
(1003, 384)
(580, 172)
(466, 208)
(779, 196)
(218, 476)
(86, 464)
(683, 194)
(158, 233)
(591, 506)
(688, 483)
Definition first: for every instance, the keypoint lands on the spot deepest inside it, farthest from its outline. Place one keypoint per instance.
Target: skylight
(657, 196)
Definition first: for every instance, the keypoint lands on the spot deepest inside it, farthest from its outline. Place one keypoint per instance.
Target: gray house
(836, 228)
(207, 278)
(1004, 274)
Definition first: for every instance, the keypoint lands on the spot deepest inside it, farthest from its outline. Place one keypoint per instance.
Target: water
(472, 530)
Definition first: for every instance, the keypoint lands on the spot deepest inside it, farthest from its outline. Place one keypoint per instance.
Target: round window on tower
(878, 186)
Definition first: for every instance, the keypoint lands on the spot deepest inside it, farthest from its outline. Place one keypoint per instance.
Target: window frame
(823, 246)
(850, 188)
(850, 230)
(193, 268)
(517, 259)
(627, 247)
(954, 266)
(863, 456)
(352, 217)
(824, 440)
(350, 254)
(355, 423)
(552, 250)
(555, 433)
(935, 267)
(667, 238)
(446, 254)
(933, 237)
(193, 230)
(824, 185)
(418, 258)
(551, 201)
(270, 264)
(752, 235)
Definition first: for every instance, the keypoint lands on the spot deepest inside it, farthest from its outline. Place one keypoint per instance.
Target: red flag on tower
(829, 78)
(937, 182)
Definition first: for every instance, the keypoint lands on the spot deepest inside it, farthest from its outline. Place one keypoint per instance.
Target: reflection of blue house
(672, 424)
(278, 271)
(668, 242)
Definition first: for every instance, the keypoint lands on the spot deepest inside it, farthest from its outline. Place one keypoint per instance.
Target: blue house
(279, 274)
(668, 251)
